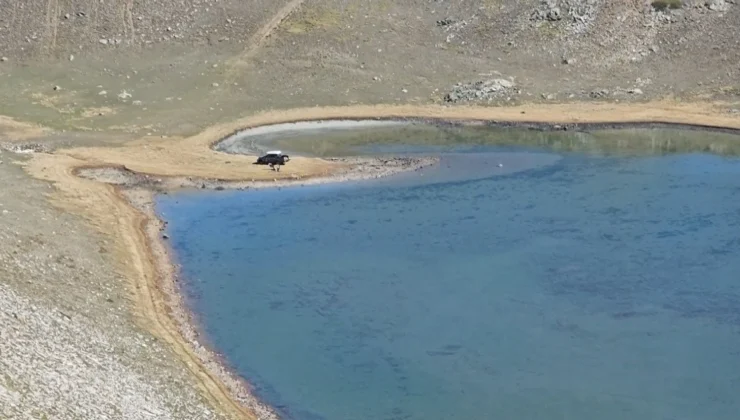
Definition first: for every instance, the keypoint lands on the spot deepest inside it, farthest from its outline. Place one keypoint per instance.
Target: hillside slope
(132, 65)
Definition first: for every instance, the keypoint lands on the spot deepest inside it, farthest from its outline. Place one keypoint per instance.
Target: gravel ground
(69, 345)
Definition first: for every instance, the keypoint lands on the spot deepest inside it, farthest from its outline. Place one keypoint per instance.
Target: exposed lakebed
(508, 281)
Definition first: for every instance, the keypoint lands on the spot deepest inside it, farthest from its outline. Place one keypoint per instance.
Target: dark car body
(273, 158)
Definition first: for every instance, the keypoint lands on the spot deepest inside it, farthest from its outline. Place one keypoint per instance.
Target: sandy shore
(113, 189)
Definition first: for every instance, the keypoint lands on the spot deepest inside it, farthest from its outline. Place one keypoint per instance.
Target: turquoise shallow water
(578, 288)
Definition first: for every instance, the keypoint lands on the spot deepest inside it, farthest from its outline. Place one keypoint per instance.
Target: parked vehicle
(275, 157)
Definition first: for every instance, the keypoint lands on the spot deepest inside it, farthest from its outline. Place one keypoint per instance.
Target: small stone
(635, 91)
(103, 41)
(57, 88)
(66, 15)
(71, 57)
(569, 61)
(102, 92)
(404, 90)
(3, 59)
(215, 85)
(717, 5)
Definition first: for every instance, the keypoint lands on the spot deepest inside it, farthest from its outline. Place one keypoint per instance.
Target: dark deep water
(579, 287)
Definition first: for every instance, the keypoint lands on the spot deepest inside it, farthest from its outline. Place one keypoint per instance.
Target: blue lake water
(557, 287)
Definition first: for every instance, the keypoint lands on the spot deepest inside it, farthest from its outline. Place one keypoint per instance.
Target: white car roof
(274, 152)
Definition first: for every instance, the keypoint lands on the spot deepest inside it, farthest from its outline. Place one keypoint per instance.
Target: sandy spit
(127, 216)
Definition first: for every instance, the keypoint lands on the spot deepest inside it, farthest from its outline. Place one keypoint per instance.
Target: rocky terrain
(105, 72)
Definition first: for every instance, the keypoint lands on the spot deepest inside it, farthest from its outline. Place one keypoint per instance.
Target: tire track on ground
(51, 24)
(258, 39)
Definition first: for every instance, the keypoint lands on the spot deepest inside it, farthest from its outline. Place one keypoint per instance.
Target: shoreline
(143, 254)
(138, 191)
(224, 144)
(189, 327)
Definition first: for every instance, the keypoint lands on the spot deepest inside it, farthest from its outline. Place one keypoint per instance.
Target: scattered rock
(578, 14)
(103, 41)
(445, 22)
(597, 94)
(3, 59)
(717, 5)
(215, 85)
(481, 90)
(102, 92)
(635, 91)
(71, 57)
(57, 88)
(26, 148)
(569, 61)
(124, 94)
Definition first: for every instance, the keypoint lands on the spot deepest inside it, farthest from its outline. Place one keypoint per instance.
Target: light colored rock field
(73, 368)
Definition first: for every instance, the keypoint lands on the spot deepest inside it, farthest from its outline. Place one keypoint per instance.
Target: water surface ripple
(581, 288)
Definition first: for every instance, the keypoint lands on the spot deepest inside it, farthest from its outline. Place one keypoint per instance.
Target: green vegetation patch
(667, 4)
(312, 19)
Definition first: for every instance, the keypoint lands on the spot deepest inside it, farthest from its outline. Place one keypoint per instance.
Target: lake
(565, 284)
